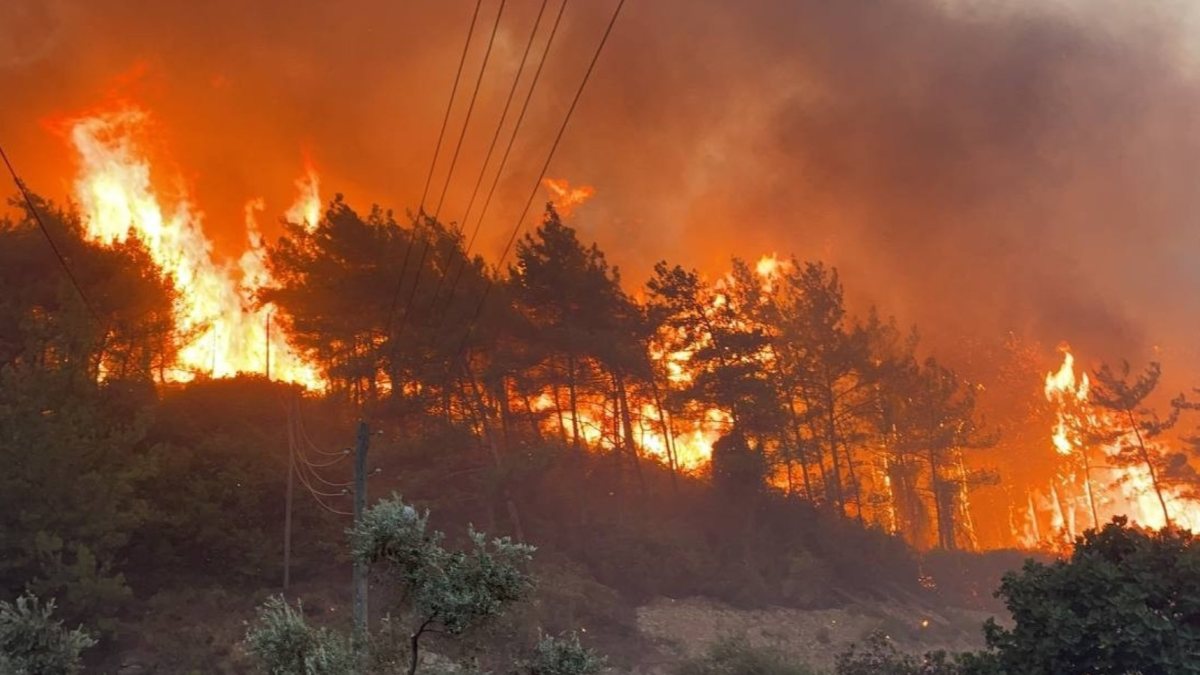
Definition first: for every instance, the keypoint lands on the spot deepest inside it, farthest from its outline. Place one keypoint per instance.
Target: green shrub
(32, 643)
(1127, 600)
(284, 644)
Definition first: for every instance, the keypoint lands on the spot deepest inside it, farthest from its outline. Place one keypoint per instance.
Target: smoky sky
(976, 168)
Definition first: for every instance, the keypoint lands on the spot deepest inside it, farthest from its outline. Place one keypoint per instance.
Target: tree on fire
(44, 323)
(1134, 426)
(827, 402)
(586, 330)
(102, 473)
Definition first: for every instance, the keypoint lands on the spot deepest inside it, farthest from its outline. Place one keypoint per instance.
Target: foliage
(33, 643)
(70, 494)
(219, 450)
(284, 644)
(444, 590)
(733, 656)
(126, 327)
(563, 655)
(1126, 600)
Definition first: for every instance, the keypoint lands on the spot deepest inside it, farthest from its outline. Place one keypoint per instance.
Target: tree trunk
(796, 431)
(668, 438)
(490, 441)
(1150, 467)
(1087, 485)
(935, 485)
(573, 400)
(627, 429)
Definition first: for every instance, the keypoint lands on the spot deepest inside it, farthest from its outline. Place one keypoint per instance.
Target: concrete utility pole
(360, 504)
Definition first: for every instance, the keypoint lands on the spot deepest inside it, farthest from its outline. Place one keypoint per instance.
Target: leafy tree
(330, 283)
(583, 325)
(1127, 600)
(44, 322)
(824, 360)
(285, 644)
(34, 643)
(738, 470)
(444, 591)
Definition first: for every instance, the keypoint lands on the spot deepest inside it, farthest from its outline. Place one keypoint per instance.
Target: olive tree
(444, 591)
(32, 642)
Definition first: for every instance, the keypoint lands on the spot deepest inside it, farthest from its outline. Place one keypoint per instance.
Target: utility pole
(360, 504)
(287, 516)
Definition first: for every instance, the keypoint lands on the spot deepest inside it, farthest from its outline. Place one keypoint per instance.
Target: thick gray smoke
(973, 167)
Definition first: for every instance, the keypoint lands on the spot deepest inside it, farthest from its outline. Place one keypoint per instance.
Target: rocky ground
(684, 628)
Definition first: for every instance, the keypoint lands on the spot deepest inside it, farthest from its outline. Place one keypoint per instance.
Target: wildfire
(1090, 487)
(566, 198)
(1063, 390)
(767, 266)
(224, 332)
(307, 208)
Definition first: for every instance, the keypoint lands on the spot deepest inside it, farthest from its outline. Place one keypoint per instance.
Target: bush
(32, 643)
(737, 657)
(1127, 600)
(284, 644)
(564, 655)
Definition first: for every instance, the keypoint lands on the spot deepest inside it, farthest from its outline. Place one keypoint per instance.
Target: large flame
(1090, 488)
(223, 332)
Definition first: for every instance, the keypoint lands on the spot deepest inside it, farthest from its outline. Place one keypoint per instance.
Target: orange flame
(307, 208)
(225, 333)
(1114, 490)
(566, 198)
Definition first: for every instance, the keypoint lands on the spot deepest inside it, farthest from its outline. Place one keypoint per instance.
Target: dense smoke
(973, 167)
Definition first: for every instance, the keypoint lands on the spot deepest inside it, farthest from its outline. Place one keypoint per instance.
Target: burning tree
(1116, 460)
(1132, 426)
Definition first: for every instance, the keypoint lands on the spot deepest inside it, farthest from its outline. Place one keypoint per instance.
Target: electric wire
(437, 148)
(294, 469)
(37, 216)
(412, 293)
(487, 158)
(518, 226)
(503, 162)
(487, 54)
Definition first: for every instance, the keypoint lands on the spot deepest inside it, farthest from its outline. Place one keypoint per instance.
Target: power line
(545, 165)
(412, 293)
(487, 54)
(49, 239)
(294, 468)
(504, 113)
(516, 127)
(450, 104)
(437, 148)
(508, 149)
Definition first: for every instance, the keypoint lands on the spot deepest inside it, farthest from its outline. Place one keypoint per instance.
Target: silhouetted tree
(1135, 425)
